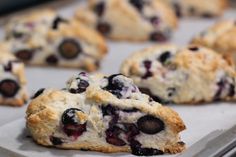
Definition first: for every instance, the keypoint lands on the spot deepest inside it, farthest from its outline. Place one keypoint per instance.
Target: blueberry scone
(133, 20)
(202, 8)
(221, 37)
(45, 38)
(181, 75)
(12, 80)
(106, 114)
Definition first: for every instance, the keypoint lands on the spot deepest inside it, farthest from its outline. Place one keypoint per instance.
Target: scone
(12, 80)
(181, 75)
(221, 37)
(45, 38)
(106, 114)
(202, 8)
(132, 20)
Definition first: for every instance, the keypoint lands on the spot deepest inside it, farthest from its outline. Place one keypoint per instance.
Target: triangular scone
(202, 8)
(181, 75)
(221, 37)
(12, 80)
(45, 38)
(135, 20)
(106, 114)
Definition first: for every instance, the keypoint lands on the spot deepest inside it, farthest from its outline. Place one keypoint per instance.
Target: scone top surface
(106, 114)
(12, 79)
(134, 20)
(181, 75)
(201, 8)
(221, 37)
(46, 38)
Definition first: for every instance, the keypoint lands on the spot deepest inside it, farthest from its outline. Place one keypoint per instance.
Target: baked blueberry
(177, 8)
(99, 8)
(164, 57)
(8, 66)
(104, 28)
(55, 140)
(194, 48)
(150, 125)
(137, 4)
(69, 48)
(158, 37)
(39, 92)
(147, 64)
(9, 88)
(24, 54)
(155, 21)
(71, 124)
(231, 90)
(52, 59)
(57, 21)
(112, 136)
(81, 87)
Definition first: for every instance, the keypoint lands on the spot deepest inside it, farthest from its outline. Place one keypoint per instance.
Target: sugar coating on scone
(190, 75)
(200, 8)
(107, 114)
(221, 37)
(46, 38)
(12, 80)
(133, 20)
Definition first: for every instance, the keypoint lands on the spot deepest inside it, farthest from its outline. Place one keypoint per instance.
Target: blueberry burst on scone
(106, 114)
(181, 75)
(202, 8)
(134, 20)
(221, 37)
(12, 80)
(46, 38)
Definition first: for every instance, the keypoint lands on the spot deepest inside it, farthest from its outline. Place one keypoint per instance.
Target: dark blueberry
(130, 110)
(164, 57)
(231, 90)
(139, 151)
(207, 15)
(82, 86)
(154, 97)
(112, 136)
(17, 35)
(171, 92)
(150, 125)
(181, 143)
(56, 141)
(131, 131)
(74, 130)
(114, 86)
(147, 64)
(58, 20)
(24, 54)
(158, 37)
(8, 67)
(108, 110)
(69, 117)
(137, 4)
(221, 85)
(9, 88)
(39, 92)
(83, 149)
(52, 59)
(193, 48)
(192, 10)
(99, 8)
(178, 11)
(155, 21)
(69, 48)
(104, 28)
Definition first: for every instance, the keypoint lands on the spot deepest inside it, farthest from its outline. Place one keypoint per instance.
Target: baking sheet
(200, 120)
